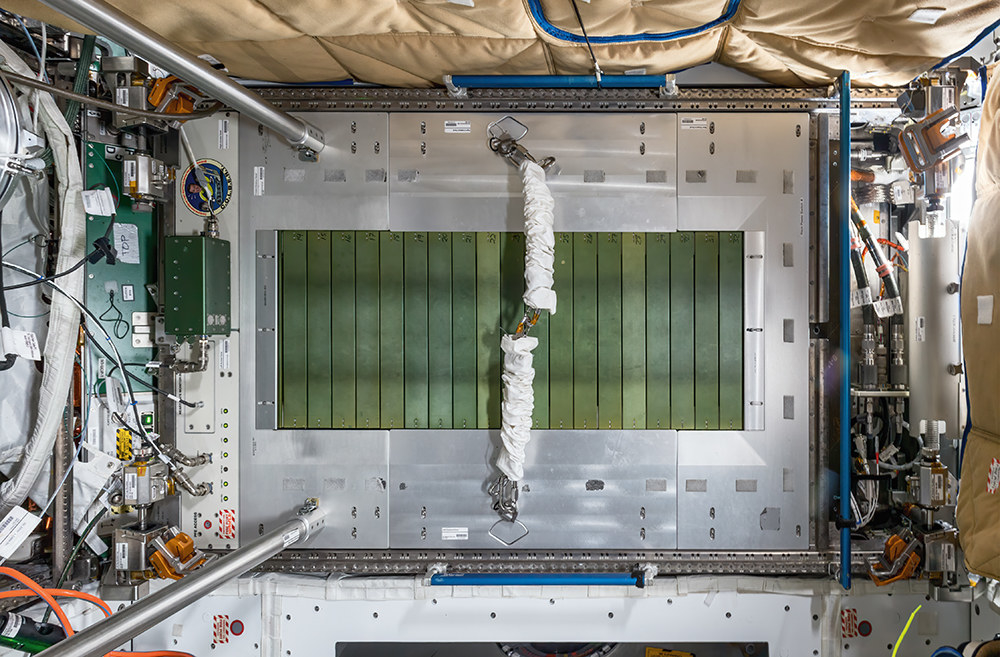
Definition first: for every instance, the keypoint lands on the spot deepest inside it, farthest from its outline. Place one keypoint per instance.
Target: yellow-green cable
(906, 628)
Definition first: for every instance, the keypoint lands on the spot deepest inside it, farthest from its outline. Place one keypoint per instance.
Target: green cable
(906, 628)
(72, 556)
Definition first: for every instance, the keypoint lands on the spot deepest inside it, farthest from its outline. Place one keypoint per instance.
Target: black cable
(129, 375)
(119, 325)
(102, 247)
(53, 277)
(861, 276)
(586, 38)
(9, 360)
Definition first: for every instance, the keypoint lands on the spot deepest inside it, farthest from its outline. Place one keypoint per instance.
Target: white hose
(518, 403)
(64, 318)
(539, 240)
(518, 374)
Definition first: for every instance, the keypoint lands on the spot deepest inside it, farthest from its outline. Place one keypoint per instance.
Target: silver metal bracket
(453, 90)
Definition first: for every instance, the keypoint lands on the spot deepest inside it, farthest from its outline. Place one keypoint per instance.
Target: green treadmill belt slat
(381, 329)
(731, 330)
(584, 331)
(415, 345)
(682, 330)
(344, 341)
(560, 338)
(706, 330)
(633, 331)
(489, 368)
(319, 335)
(366, 301)
(390, 330)
(609, 330)
(439, 353)
(293, 356)
(658, 331)
(541, 363)
(465, 335)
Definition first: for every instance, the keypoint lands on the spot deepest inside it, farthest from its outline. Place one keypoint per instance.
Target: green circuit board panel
(136, 242)
(389, 330)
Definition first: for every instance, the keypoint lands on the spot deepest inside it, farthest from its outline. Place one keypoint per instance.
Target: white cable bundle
(518, 403)
(539, 240)
(518, 374)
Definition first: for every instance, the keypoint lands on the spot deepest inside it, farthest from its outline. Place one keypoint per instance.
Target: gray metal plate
(755, 169)
(345, 190)
(617, 172)
(346, 470)
(584, 489)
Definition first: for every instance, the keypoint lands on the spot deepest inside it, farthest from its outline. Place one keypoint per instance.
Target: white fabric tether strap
(518, 374)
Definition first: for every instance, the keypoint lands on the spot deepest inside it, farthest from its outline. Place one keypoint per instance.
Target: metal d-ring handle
(514, 522)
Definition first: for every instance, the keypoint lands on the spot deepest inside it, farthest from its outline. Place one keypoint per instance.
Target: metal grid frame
(333, 101)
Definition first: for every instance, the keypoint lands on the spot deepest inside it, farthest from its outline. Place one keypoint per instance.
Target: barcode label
(223, 134)
(121, 556)
(862, 297)
(14, 528)
(131, 486)
(454, 533)
(258, 181)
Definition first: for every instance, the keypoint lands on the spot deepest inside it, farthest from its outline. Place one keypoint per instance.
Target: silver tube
(128, 623)
(108, 21)
(933, 331)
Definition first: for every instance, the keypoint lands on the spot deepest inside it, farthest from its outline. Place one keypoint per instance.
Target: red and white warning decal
(993, 477)
(227, 523)
(220, 628)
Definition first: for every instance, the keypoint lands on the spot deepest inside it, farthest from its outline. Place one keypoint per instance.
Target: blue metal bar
(536, 579)
(559, 81)
(844, 166)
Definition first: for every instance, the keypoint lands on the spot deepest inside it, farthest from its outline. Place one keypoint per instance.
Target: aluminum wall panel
(750, 172)
(581, 490)
(616, 172)
(347, 470)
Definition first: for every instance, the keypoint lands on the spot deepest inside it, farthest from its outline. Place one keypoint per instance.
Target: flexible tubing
(539, 239)
(64, 317)
(518, 403)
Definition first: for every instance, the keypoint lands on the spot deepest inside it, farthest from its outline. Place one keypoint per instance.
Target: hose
(905, 466)
(892, 304)
(87, 100)
(518, 404)
(64, 317)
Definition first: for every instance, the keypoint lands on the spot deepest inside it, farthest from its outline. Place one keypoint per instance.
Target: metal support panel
(616, 172)
(581, 489)
(747, 490)
(283, 191)
(348, 470)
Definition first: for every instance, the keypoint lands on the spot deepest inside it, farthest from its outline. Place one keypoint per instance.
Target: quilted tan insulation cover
(413, 43)
(979, 495)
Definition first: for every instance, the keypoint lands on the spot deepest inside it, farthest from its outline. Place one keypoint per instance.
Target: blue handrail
(844, 166)
(538, 579)
(559, 81)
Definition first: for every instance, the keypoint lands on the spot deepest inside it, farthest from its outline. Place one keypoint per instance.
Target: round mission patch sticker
(197, 199)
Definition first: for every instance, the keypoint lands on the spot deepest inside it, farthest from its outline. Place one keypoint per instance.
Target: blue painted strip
(534, 579)
(952, 57)
(535, 7)
(558, 81)
(844, 166)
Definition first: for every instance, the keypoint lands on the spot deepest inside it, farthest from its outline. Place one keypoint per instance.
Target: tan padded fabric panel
(618, 17)
(979, 496)
(978, 515)
(415, 42)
